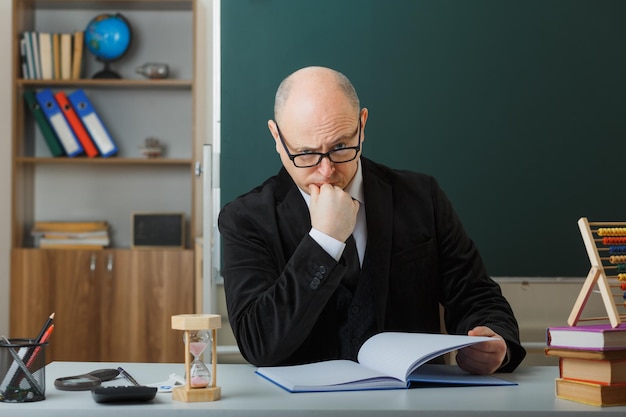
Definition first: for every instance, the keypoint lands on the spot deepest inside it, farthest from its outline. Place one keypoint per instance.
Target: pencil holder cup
(22, 371)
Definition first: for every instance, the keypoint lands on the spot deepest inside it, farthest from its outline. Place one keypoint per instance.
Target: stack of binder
(71, 235)
(592, 363)
(70, 124)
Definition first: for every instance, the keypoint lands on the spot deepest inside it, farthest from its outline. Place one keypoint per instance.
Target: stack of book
(592, 363)
(71, 235)
(52, 56)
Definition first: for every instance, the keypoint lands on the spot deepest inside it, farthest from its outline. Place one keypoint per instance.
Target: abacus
(606, 247)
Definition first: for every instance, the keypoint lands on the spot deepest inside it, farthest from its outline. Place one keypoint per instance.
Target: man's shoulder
(396, 176)
(262, 196)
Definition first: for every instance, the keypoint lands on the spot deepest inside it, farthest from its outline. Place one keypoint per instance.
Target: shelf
(102, 161)
(98, 83)
(122, 4)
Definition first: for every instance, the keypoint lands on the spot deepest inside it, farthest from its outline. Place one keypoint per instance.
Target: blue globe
(108, 36)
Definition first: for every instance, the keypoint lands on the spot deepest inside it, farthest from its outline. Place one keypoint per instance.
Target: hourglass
(199, 373)
(200, 331)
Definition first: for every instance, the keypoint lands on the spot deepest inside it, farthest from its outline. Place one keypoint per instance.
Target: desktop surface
(246, 394)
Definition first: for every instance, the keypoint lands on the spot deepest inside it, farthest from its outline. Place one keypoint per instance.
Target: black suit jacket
(280, 283)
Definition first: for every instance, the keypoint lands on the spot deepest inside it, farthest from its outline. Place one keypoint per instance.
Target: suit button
(315, 283)
(319, 275)
(322, 269)
(355, 309)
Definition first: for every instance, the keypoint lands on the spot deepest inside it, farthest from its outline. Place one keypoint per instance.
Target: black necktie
(351, 256)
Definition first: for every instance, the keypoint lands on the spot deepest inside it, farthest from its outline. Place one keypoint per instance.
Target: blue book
(92, 122)
(57, 120)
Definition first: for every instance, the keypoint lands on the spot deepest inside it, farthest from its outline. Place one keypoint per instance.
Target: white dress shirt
(331, 245)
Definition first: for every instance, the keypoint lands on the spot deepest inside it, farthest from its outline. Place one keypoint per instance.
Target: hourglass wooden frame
(597, 275)
(189, 323)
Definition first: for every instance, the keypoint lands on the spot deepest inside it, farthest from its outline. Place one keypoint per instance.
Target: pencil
(43, 339)
(44, 328)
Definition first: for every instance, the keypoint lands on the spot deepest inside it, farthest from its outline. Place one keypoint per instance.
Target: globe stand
(106, 72)
(190, 323)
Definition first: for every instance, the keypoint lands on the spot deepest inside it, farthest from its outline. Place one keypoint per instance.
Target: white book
(66, 56)
(49, 242)
(45, 56)
(389, 360)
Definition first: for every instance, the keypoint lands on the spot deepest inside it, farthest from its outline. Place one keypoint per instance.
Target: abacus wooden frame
(596, 275)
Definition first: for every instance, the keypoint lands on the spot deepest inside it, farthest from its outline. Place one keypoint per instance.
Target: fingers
(482, 331)
(333, 211)
(482, 358)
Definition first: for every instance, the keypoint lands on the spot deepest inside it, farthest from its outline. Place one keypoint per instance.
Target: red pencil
(43, 339)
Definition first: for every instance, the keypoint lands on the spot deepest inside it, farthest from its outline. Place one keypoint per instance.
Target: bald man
(336, 248)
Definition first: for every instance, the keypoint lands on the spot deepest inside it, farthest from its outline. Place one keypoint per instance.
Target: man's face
(320, 129)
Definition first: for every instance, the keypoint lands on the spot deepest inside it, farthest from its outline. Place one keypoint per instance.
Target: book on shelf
(46, 130)
(23, 58)
(93, 123)
(590, 337)
(66, 55)
(591, 393)
(56, 55)
(593, 370)
(30, 57)
(34, 38)
(52, 110)
(71, 235)
(70, 226)
(48, 242)
(72, 246)
(390, 360)
(77, 56)
(45, 55)
(77, 126)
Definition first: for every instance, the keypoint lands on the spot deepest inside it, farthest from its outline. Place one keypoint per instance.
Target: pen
(127, 376)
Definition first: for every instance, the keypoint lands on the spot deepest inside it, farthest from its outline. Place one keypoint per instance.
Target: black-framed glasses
(311, 159)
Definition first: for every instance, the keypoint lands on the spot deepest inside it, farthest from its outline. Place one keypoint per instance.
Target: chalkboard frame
(157, 230)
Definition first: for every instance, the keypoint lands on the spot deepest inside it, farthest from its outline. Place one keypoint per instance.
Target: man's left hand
(482, 358)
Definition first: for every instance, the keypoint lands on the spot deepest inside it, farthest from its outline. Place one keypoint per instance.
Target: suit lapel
(379, 215)
(293, 214)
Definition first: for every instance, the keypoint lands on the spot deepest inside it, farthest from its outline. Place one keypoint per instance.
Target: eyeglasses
(311, 159)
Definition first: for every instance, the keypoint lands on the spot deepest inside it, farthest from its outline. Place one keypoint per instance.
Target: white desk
(247, 394)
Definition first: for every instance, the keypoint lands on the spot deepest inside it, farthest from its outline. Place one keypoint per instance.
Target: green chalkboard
(518, 108)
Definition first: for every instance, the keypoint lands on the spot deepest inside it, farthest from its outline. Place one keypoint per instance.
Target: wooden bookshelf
(91, 290)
